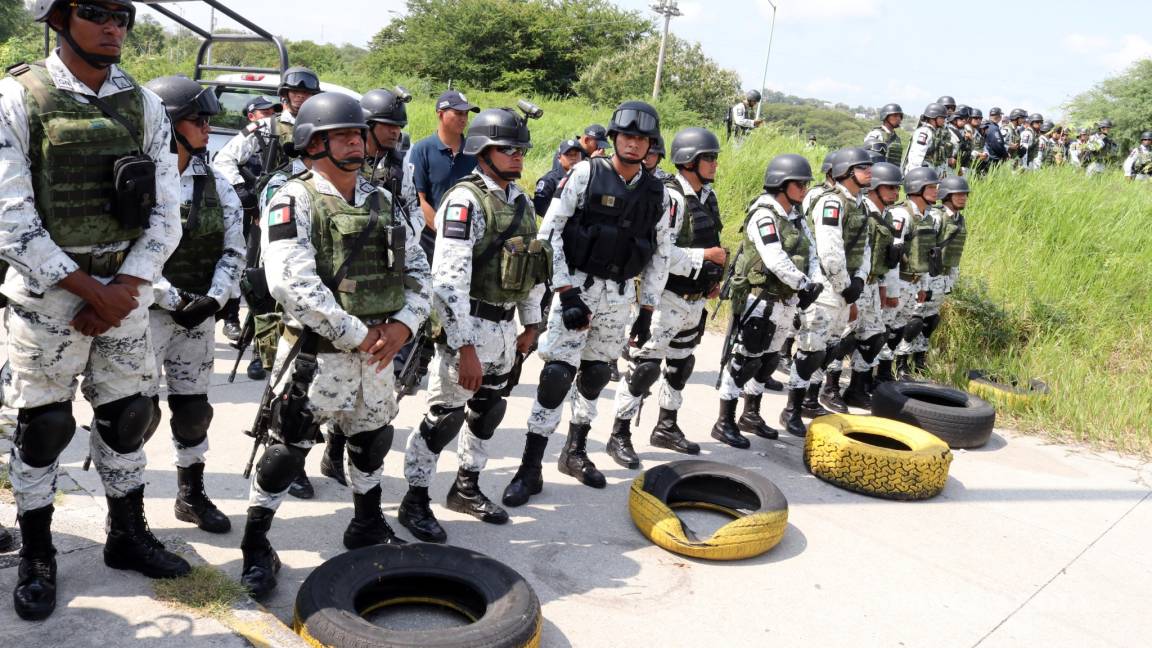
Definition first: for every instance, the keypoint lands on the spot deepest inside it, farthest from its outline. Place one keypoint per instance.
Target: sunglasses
(100, 16)
(199, 121)
(707, 157)
(511, 151)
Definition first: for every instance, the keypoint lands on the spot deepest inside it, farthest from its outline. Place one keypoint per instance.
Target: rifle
(726, 286)
(734, 327)
(263, 421)
(409, 374)
(247, 334)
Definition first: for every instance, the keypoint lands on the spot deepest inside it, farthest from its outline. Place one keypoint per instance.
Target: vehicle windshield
(233, 100)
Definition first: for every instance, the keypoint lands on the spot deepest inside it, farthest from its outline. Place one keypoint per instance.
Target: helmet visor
(299, 80)
(204, 103)
(632, 119)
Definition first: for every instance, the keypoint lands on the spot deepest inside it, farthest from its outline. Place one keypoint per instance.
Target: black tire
(960, 419)
(331, 601)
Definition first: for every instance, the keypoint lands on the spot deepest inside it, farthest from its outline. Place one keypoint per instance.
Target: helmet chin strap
(345, 164)
(98, 61)
(199, 152)
(508, 176)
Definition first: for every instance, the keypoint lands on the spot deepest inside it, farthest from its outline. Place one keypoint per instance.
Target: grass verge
(207, 591)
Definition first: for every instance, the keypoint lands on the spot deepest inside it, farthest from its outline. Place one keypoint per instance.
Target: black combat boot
(416, 515)
(725, 430)
(256, 370)
(368, 526)
(192, 503)
(790, 416)
(786, 355)
(34, 597)
(884, 372)
(920, 358)
(465, 496)
(301, 486)
(830, 394)
(902, 370)
(771, 362)
(258, 574)
(574, 459)
(857, 394)
(811, 407)
(332, 463)
(527, 481)
(131, 545)
(667, 434)
(751, 422)
(620, 444)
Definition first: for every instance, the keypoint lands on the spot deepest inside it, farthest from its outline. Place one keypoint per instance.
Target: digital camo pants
(185, 357)
(675, 335)
(744, 375)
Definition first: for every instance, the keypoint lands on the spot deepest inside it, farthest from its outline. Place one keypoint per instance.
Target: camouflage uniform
(887, 140)
(252, 141)
(1029, 149)
(933, 287)
(868, 322)
(925, 149)
(1138, 165)
(898, 284)
(1102, 149)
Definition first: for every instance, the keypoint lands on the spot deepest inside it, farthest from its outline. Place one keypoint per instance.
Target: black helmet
(1017, 113)
(635, 118)
(497, 127)
(889, 110)
(658, 147)
(918, 178)
(1047, 126)
(995, 110)
(946, 101)
(1035, 117)
(886, 174)
(829, 160)
(1146, 135)
(934, 110)
(964, 111)
(299, 78)
(753, 96)
(1104, 123)
(183, 97)
(878, 151)
(848, 159)
(691, 142)
(783, 168)
(951, 185)
(327, 111)
(41, 8)
(958, 115)
(975, 112)
(384, 107)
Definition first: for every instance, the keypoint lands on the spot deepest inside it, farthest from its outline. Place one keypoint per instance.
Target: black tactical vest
(698, 227)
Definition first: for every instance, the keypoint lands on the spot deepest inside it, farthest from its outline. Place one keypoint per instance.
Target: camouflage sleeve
(763, 234)
(417, 283)
(740, 116)
(656, 274)
(227, 275)
(236, 152)
(148, 253)
(918, 149)
(815, 272)
(452, 265)
(828, 214)
(571, 190)
(685, 262)
(1130, 163)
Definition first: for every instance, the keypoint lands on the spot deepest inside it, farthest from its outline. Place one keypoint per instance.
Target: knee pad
(485, 414)
(278, 467)
(555, 381)
(767, 367)
(743, 368)
(123, 423)
(43, 432)
(592, 378)
(155, 423)
(894, 337)
(845, 347)
(807, 362)
(756, 334)
(913, 328)
(930, 324)
(643, 375)
(440, 426)
(870, 348)
(677, 371)
(191, 416)
(366, 450)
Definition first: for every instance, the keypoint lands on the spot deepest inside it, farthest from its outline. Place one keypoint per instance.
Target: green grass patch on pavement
(206, 591)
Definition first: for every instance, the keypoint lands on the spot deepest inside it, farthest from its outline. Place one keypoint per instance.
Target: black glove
(247, 199)
(195, 310)
(641, 328)
(895, 254)
(573, 310)
(807, 296)
(927, 296)
(853, 291)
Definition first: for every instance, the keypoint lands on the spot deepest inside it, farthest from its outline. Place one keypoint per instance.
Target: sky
(1013, 53)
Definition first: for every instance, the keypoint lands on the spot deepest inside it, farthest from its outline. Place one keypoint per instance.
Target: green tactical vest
(506, 265)
(750, 272)
(374, 285)
(72, 148)
(955, 228)
(881, 235)
(918, 241)
(853, 228)
(895, 149)
(193, 264)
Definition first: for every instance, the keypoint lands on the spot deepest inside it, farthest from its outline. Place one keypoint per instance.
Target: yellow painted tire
(877, 456)
(760, 509)
(330, 605)
(1004, 393)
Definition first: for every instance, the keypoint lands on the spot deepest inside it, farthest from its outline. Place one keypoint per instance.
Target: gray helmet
(934, 110)
(975, 112)
(384, 107)
(1085, 131)
(918, 178)
(1146, 135)
(848, 159)
(635, 118)
(497, 127)
(878, 151)
(995, 110)
(946, 101)
(951, 185)
(183, 97)
(691, 142)
(753, 96)
(1047, 126)
(889, 110)
(1035, 117)
(829, 160)
(964, 110)
(41, 8)
(299, 78)
(1017, 113)
(783, 168)
(327, 111)
(885, 174)
(1104, 123)
(658, 147)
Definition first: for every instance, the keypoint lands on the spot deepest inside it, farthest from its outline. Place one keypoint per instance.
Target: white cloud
(1115, 53)
(1132, 48)
(824, 10)
(825, 86)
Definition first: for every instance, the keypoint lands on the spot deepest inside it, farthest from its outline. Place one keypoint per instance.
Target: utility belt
(324, 345)
(491, 312)
(683, 293)
(909, 277)
(99, 265)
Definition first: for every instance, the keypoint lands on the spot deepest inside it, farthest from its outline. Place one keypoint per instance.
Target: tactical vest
(612, 234)
(918, 241)
(72, 148)
(895, 149)
(881, 235)
(508, 261)
(750, 268)
(193, 263)
(374, 285)
(955, 232)
(853, 228)
(699, 227)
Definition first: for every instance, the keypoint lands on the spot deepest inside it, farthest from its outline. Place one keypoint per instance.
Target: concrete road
(1030, 543)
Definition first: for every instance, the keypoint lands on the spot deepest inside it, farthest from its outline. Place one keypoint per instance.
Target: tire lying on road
(1004, 392)
(960, 419)
(760, 509)
(876, 456)
(333, 600)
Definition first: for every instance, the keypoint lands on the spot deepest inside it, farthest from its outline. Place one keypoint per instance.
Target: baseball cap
(263, 102)
(598, 133)
(454, 100)
(568, 145)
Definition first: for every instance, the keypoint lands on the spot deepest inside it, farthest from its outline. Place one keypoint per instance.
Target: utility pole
(669, 10)
(764, 81)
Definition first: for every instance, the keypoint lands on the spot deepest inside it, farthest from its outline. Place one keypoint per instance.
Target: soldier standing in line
(919, 235)
(884, 140)
(348, 307)
(926, 138)
(488, 266)
(1138, 165)
(1010, 133)
(1102, 149)
(974, 131)
(1078, 154)
(1030, 142)
(84, 246)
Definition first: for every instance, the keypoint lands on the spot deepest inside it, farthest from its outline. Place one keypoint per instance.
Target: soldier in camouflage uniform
(974, 131)
(1078, 154)
(1010, 131)
(1030, 157)
(1138, 165)
(958, 147)
(927, 141)
(1050, 145)
(884, 140)
(1102, 150)
(695, 267)
(488, 266)
(345, 328)
(919, 235)
(196, 282)
(83, 252)
(596, 259)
